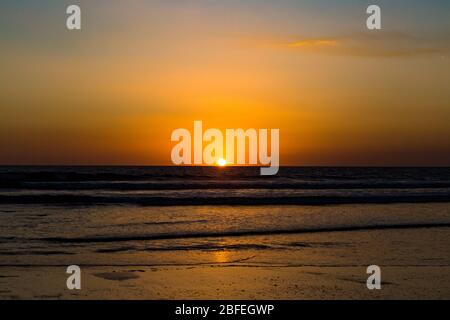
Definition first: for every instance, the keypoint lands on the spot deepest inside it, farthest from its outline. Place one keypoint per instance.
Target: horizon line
(227, 166)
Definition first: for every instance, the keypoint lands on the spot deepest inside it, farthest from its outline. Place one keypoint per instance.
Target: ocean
(149, 215)
(190, 186)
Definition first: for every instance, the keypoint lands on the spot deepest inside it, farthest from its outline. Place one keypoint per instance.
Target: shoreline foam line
(243, 233)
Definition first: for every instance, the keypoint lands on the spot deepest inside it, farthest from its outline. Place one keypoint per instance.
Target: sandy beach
(415, 265)
(225, 282)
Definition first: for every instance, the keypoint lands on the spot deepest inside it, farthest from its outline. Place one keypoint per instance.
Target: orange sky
(113, 93)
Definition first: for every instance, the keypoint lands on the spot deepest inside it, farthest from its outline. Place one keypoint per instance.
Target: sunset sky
(113, 92)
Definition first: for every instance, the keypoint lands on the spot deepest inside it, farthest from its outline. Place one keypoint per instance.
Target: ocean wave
(35, 253)
(160, 223)
(241, 233)
(221, 247)
(213, 184)
(201, 247)
(173, 177)
(244, 200)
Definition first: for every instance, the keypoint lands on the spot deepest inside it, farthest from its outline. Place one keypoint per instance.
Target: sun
(221, 162)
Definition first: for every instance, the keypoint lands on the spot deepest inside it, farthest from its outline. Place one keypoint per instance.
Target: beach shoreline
(225, 283)
(224, 233)
(414, 265)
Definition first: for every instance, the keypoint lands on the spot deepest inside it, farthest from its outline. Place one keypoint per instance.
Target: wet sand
(414, 263)
(225, 282)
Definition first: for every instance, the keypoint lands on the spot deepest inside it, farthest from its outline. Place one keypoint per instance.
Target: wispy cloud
(377, 44)
(313, 43)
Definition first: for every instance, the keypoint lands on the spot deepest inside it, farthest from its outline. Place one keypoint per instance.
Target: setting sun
(222, 162)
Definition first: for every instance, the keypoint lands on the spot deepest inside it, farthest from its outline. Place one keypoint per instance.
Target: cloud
(374, 44)
(313, 43)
